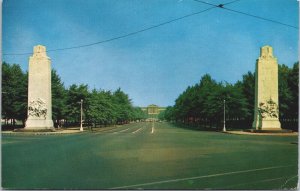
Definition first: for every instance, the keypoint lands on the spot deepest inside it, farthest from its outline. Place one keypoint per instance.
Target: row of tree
(205, 100)
(99, 106)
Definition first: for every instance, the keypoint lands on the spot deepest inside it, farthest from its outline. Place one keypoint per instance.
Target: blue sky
(157, 65)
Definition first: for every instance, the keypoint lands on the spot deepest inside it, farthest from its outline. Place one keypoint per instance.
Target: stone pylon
(39, 91)
(266, 108)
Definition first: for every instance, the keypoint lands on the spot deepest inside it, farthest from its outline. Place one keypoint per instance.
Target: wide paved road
(149, 156)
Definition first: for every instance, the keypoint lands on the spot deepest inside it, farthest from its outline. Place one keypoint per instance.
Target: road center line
(200, 177)
(152, 131)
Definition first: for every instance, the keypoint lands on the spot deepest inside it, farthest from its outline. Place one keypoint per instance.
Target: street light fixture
(224, 128)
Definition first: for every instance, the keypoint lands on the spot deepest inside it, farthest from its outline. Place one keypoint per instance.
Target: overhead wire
(125, 35)
(231, 2)
(247, 14)
(118, 37)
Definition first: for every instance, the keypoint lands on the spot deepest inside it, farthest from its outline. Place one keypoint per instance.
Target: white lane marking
(106, 131)
(264, 180)
(282, 187)
(137, 130)
(121, 131)
(199, 177)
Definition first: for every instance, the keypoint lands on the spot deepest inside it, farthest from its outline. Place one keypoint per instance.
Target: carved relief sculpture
(37, 108)
(269, 109)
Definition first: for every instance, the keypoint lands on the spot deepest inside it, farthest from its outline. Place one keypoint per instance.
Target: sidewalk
(70, 130)
(57, 131)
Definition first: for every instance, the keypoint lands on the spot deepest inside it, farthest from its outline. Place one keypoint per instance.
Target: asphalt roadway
(149, 156)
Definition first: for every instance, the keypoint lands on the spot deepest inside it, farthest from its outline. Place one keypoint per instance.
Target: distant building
(153, 110)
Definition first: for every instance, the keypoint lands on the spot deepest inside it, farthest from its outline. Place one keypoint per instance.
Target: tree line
(100, 107)
(203, 103)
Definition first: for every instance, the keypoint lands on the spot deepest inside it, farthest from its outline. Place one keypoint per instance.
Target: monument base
(39, 124)
(268, 131)
(267, 125)
(34, 130)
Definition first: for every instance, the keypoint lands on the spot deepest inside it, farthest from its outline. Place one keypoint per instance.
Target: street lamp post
(224, 128)
(81, 128)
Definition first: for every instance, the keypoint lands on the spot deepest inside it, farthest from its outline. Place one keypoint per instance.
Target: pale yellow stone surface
(262, 134)
(266, 115)
(39, 90)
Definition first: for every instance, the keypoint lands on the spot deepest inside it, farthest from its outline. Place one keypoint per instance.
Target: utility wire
(258, 17)
(247, 14)
(220, 4)
(125, 35)
(118, 37)
(231, 2)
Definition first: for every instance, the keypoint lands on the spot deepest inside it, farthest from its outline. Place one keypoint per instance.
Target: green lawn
(141, 156)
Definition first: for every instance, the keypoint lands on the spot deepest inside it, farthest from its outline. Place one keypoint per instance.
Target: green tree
(236, 103)
(193, 102)
(58, 97)
(138, 114)
(169, 113)
(101, 108)
(74, 95)
(248, 89)
(14, 92)
(293, 83)
(207, 88)
(285, 93)
(205, 101)
(123, 106)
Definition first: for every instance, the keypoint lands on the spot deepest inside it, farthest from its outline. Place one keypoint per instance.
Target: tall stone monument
(39, 91)
(266, 109)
